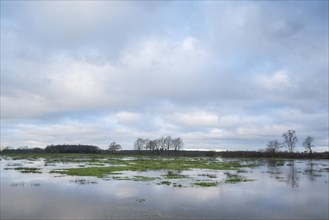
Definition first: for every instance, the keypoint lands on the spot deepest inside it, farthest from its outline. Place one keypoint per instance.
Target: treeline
(182, 153)
(23, 150)
(66, 148)
(63, 148)
(233, 154)
(159, 145)
(267, 154)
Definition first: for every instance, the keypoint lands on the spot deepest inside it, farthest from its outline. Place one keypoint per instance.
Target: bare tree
(177, 144)
(146, 144)
(114, 147)
(158, 143)
(152, 145)
(142, 144)
(273, 146)
(138, 144)
(168, 143)
(162, 143)
(307, 143)
(290, 139)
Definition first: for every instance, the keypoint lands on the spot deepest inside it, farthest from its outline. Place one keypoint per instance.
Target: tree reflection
(274, 168)
(292, 177)
(311, 172)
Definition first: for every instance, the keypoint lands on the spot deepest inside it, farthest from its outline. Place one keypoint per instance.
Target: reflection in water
(309, 171)
(22, 184)
(275, 168)
(312, 171)
(292, 175)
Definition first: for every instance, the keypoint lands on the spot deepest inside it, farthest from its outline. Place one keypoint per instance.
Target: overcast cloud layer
(221, 75)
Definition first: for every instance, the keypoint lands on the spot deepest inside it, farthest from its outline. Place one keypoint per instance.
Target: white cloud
(165, 61)
(279, 80)
(18, 107)
(128, 117)
(195, 119)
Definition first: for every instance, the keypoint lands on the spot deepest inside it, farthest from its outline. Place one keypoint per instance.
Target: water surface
(282, 189)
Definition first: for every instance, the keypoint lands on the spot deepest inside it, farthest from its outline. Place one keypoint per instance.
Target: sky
(224, 75)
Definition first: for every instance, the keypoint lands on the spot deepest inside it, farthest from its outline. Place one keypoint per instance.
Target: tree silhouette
(273, 146)
(114, 147)
(290, 139)
(307, 143)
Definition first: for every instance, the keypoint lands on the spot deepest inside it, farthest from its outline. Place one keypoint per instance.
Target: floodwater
(282, 189)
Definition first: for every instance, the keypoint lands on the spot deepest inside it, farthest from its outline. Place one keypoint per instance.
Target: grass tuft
(235, 178)
(205, 184)
(165, 183)
(26, 169)
(171, 175)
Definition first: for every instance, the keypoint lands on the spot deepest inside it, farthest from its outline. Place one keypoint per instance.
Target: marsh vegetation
(175, 170)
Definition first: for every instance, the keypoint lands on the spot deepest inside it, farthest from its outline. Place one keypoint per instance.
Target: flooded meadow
(138, 187)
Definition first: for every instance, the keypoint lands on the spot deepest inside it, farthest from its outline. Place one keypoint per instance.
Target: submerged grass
(144, 178)
(83, 181)
(26, 169)
(14, 164)
(208, 175)
(114, 167)
(152, 163)
(171, 175)
(121, 178)
(205, 184)
(165, 183)
(235, 178)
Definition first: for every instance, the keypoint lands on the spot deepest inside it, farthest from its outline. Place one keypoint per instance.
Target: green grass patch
(153, 163)
(90, 171)
(144, 178)
(171, 175)
(26, 169)
(165, 183)
(235, 178)
(121, 178)
(14, 164)
(177, 185)
(205, 184)
(242, 171)
(208, 175)
(114, 166)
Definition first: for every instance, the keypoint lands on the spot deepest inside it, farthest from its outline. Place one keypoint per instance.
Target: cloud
(128, 117)
(215, 73)
(196, 119)
(277, 81)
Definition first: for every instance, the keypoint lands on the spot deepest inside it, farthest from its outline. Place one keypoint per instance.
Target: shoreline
(189, 153)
